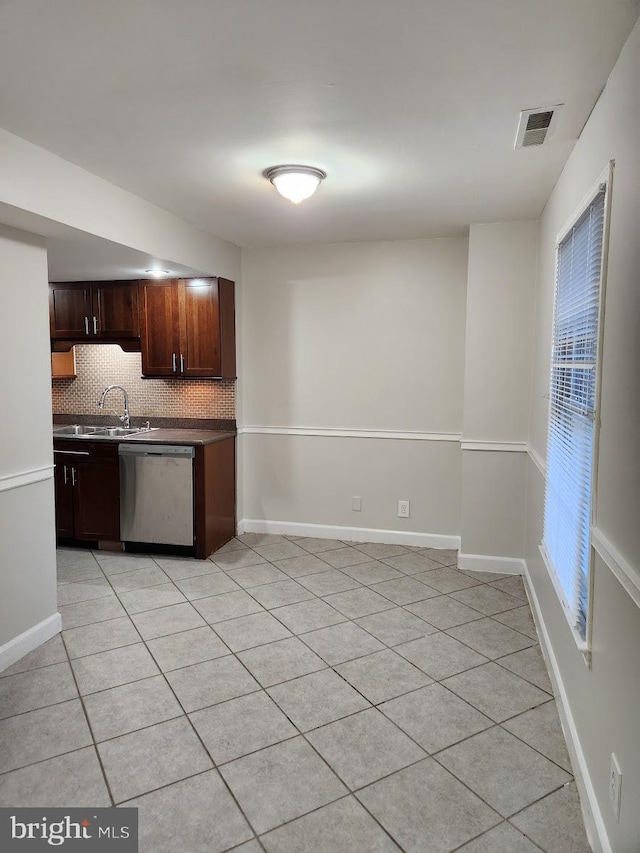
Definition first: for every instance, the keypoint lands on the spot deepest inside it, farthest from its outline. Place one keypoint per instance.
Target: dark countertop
(158, 436)
(185, 431)
(216, 424)
(180, 436)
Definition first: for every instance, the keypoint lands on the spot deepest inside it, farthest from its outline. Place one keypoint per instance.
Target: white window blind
(572, 415)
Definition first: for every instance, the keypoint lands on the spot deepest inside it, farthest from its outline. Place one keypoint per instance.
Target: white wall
(27, 542)
(494, 491)
(603, 702)
(311, 480)
(499, 330)
(497, 379)
(354, 337)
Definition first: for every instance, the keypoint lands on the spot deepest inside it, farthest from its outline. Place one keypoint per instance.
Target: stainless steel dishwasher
(156, 493)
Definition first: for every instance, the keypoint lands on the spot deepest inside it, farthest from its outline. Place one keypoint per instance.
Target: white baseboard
(349, 534)
(29, 640)
(486, 563)
(594, 824)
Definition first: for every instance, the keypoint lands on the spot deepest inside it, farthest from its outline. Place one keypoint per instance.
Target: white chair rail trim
(396, 434)
(403, 435)
(537, 460)
(620, 567)
(502, 446)
(25, 478)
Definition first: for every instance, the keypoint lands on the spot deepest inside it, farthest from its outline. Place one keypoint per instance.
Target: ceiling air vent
(536, 126)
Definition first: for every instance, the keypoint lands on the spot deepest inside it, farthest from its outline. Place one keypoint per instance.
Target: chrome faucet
(124, 418)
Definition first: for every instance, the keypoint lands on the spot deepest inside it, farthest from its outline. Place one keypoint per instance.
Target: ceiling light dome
(295, 182)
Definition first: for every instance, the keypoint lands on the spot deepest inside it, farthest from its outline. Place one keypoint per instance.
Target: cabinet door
(160, 328)
(63, 364)
(70, 310)
(64, 497)
(97, 499)
(115, 305)
(199, 327)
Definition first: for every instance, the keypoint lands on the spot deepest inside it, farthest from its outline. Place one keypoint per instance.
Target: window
(573, 408)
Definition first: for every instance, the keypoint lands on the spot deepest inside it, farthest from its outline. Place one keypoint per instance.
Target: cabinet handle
(173, 362)
(73, 476)
(86, 325)
(95, 325)
(181, 363)
(64, 469)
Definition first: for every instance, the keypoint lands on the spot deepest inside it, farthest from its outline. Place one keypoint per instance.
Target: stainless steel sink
(77, 429)
(80, 431)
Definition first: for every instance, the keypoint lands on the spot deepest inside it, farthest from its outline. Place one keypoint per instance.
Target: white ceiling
(76, 256)
(411, 106)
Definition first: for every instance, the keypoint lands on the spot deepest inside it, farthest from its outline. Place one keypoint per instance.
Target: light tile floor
(294, 695)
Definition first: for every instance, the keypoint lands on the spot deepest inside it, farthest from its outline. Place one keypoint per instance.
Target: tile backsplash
(99, 365)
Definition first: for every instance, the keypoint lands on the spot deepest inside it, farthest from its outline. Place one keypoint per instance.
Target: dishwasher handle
(180, 450)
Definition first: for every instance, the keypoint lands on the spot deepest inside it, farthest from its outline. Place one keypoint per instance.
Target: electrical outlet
(356, 503)
(615, 785)
(403, 509)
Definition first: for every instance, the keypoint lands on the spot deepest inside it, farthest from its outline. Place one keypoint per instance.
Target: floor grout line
(300, 636)
(491, 829)
(90, 727)
(196, 733)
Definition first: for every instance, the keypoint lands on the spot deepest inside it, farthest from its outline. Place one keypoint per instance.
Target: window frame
(604, 182)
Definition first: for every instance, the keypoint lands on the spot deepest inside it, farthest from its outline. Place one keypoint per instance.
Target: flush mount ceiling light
(295, 182)
(157, 273)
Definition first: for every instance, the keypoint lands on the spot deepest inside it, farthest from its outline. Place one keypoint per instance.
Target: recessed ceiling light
(295, 182)
(157, 273)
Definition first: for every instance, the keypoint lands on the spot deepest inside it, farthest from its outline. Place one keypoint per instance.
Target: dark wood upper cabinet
(184, 327)
(70, 310)
(188, 328)
(199, 327)
(94, 311)
(226, 303)
(117, 312)
(160, 339)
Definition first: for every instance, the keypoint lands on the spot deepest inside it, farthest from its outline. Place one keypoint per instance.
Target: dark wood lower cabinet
(64, 497)
(87, 492)
(215, 495)
(97, 500)
(87, 489)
